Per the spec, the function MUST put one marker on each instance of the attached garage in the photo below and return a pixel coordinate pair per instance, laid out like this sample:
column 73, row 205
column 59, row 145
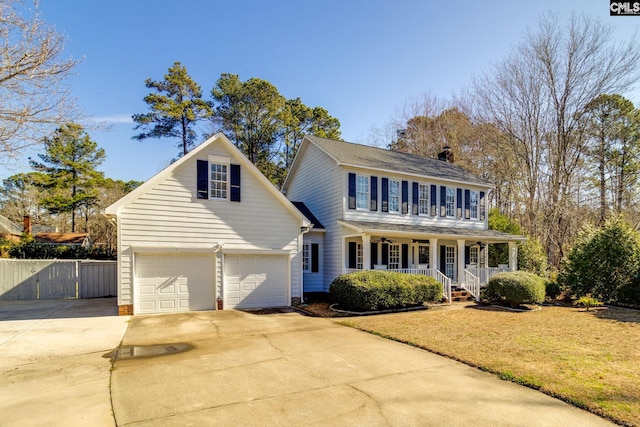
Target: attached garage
column 176, row 282
column 256, row 281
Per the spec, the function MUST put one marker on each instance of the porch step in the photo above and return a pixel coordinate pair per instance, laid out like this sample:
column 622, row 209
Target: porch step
column 458, row 296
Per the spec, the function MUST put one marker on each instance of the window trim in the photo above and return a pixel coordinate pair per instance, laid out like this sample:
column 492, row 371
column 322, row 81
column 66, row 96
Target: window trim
column 450, row 213
column 365, row 200
column 393, row 248
column 471, row 205
column 397, row 196
column 427, row 206
column 306, row 256
column 222, row 161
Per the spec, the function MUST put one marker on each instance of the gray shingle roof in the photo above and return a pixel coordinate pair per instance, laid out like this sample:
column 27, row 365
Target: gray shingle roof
column 378, row 158
column 315, row 223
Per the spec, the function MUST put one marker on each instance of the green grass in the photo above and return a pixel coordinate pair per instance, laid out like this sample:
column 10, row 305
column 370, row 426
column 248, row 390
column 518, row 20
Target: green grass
column 589, row 359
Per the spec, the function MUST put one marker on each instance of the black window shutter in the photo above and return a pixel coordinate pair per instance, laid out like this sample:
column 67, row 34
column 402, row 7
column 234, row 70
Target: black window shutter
column 203, row 179
column 385, row 254
column 443, row 200
column 482, row 206
column 414, row 194
column 374, row 193
column 434, row 204
column 405, row 255
column 405, row 197
column 235, row 183
column 385, row 194
column 459, row 203
column 467, row 204
column 467, row 255
column 352, row 190
column 315, row 254
column 353, row 255
column 374, row 254
column 443, row 261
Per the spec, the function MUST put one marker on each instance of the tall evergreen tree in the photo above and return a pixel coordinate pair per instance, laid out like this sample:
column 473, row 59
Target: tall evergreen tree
column 68, row 170
column 176, row 106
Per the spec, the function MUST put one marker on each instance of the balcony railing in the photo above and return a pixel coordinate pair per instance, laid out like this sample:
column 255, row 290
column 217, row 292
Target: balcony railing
column 485, row 274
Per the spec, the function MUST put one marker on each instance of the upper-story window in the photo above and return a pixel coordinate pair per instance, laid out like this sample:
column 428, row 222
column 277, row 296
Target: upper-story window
column 473, row 204
column 219, row 181
column 394, row 196
column 423, row 199
column 362, row 192
column 451, row 202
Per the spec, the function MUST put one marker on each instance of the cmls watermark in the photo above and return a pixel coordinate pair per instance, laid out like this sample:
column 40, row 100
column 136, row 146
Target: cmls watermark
column 621, row 8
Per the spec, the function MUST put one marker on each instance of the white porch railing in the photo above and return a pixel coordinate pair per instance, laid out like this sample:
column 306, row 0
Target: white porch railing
column 431, row 272
column 485, row 274
column 472, row 284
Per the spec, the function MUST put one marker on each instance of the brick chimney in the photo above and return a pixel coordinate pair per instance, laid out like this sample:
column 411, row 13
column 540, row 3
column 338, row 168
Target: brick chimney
column 446, row 155
column 26, row 222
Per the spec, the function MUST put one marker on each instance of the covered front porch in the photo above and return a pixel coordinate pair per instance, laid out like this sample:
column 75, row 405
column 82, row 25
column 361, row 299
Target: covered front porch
column 455, row 257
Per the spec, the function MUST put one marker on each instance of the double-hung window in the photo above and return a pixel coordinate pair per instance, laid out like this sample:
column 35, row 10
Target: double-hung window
column 473, row 255
column 362, row 192
column 423, row 199
column 394, row 196
column 306, row 258
column 219, row 180
column 394, row 257
column 473, row 204
column 451, row 202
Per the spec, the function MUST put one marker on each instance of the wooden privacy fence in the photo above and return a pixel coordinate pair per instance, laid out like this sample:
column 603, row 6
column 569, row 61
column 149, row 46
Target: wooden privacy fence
column 56, row 279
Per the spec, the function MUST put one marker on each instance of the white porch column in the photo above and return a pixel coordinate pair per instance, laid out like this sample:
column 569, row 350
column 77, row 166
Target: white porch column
column 460, row 262
column 485, row 256
column 366, row 252
column 513, row 256
column 433, row 254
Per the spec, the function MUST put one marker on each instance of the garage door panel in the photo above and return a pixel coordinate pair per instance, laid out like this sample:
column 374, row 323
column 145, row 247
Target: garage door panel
column 254, row 281
column 168, row 283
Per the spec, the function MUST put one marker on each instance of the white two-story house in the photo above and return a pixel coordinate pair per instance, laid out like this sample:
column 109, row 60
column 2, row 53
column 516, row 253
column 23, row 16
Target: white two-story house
column 381, row 209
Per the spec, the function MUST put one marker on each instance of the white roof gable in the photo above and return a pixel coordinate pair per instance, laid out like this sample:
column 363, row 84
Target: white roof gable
column 220, row 139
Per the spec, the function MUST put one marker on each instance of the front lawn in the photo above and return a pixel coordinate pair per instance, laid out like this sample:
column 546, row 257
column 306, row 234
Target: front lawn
column 590, row 359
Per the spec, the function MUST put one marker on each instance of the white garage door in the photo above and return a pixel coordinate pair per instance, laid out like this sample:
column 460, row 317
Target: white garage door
column 255, row 281
column 168, row 283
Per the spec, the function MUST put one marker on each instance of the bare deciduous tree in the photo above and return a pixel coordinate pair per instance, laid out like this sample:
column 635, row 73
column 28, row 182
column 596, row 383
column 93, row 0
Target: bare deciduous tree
column 537, row 95
column 33, row 97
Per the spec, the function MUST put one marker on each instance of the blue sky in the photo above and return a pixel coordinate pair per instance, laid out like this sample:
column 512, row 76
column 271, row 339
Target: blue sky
column 358, row 59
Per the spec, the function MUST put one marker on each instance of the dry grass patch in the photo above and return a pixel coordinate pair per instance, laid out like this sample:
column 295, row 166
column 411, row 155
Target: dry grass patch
column 590, row 359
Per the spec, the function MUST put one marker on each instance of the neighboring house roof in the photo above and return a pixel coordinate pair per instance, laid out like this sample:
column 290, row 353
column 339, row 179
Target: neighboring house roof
column 315, row 223
column 218, row 138
column 444, row 232
column 8, row 227
column 61, row 238
column 357, row 155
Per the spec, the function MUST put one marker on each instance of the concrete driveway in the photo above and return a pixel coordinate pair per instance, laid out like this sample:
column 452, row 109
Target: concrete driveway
column 287, row 369
column 53, row 372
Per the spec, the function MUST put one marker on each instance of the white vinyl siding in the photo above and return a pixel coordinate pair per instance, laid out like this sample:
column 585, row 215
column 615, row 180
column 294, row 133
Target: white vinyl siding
column 170, row 217
column 327, row 202
column 394, row 196
column 362, row 192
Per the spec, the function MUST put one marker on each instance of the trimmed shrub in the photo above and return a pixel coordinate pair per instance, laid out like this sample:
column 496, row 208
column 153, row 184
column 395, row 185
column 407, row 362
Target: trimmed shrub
column 379, row 290
column 515, row 288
